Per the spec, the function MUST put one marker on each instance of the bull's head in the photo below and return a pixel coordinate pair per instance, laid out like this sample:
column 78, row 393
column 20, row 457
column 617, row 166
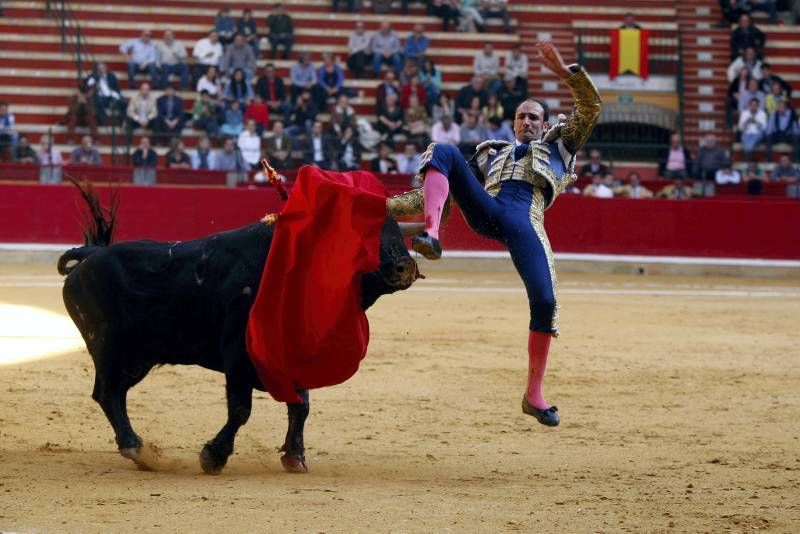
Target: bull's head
column 397, row 270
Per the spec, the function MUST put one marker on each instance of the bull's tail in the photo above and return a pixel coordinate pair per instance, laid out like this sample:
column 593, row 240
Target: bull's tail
column 76, row 255
column 100, row 225
column 101, row 222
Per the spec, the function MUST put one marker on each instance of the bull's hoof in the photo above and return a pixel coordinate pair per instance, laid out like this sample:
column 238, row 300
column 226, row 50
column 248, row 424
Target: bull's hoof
column 294, row 463
column 209, row 462
column 145, row 457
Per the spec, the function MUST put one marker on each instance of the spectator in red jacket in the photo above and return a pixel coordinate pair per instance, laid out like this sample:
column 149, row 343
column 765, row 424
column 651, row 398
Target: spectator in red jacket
column 259, row 112
column 412, row 87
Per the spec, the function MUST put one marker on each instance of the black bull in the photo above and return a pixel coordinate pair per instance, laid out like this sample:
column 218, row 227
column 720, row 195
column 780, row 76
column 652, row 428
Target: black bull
column 141, row 304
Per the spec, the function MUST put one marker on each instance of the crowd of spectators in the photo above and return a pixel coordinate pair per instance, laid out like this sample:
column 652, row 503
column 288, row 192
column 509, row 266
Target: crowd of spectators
column 243, row 113
column 759, row 105
column 256, row 112
column 465, row 15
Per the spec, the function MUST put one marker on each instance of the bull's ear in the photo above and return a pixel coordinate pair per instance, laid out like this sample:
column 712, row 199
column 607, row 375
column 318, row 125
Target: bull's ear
column 409, row 229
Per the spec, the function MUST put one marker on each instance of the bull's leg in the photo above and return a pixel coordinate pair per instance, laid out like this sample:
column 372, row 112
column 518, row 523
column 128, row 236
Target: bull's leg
column 294, row 458
column 111, row 393
column 215, row 453
column 112, row 398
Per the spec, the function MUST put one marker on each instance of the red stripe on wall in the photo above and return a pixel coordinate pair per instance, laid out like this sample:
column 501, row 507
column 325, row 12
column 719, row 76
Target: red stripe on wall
column 644, row 53
column 613, row 68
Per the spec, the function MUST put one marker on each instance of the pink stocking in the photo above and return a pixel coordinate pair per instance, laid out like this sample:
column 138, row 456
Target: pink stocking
column 436, row 189
column 538, row 348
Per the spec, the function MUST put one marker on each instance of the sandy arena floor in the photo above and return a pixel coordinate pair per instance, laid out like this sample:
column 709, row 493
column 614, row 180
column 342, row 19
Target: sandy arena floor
column 680, row 405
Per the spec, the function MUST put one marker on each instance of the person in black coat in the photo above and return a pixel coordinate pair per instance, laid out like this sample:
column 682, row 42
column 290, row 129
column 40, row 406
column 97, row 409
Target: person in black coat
column 746, row 35
column 732, row 10
column 595, row 167
column 272, row 90
column 320, row 148
column 170, row 120
column 466, row 93
column 768, row 78
column 107, row 94
column 144, row 155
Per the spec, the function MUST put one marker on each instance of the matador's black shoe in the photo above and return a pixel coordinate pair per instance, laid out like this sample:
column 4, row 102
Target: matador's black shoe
column 427, row 245
column 548, row 416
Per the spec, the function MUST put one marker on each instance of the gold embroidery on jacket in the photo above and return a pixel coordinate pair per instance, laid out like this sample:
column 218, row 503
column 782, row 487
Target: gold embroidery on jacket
column 537, row 222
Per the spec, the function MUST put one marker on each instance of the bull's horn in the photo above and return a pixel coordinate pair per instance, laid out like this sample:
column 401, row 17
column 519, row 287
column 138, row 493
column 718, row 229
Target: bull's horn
column 411, row 228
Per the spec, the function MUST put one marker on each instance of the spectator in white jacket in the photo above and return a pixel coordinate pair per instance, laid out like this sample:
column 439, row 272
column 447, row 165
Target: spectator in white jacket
column 249, row 143
column 749, row 60
column 753, row 127
column 727, row 175
column 208, row 52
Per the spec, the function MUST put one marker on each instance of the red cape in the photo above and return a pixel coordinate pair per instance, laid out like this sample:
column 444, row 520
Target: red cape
column 306, row 328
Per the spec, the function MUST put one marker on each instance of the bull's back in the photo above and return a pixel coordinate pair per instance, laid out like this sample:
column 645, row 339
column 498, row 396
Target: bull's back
column 168, row 302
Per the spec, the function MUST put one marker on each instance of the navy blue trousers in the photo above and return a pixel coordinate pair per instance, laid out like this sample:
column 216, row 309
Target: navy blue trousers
column 515, row 218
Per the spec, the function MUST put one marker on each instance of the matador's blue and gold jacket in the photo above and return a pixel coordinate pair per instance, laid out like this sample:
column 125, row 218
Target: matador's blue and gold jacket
column 493, row 161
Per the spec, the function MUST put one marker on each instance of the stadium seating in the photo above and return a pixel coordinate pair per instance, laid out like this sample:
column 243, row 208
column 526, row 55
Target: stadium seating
column 38, row 77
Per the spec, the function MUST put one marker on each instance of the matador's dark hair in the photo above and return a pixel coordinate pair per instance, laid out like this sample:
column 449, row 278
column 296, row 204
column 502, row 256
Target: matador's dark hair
column 542, row 103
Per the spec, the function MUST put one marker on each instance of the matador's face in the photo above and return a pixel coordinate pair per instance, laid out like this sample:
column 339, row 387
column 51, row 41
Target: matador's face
column 529, row 122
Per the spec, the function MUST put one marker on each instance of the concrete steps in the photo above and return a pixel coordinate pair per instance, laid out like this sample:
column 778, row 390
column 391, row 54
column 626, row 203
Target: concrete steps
column 705, row 61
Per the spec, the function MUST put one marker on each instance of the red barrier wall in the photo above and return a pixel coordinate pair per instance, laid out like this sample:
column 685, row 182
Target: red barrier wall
column 708, row 227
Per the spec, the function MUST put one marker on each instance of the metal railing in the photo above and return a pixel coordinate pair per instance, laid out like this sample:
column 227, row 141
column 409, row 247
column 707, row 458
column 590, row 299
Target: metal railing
column 679, row 86
column 73, row 41
column 71, row 32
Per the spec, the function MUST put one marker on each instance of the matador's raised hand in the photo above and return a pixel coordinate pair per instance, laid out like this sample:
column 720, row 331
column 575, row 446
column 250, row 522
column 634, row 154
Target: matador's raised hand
column 550, row 58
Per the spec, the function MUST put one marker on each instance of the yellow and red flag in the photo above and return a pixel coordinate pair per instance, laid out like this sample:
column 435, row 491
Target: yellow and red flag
column 629, row 52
